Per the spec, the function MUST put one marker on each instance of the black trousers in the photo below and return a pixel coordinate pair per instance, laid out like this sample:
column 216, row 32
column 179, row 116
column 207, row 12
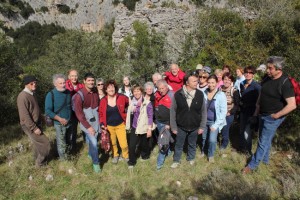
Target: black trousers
column 136, row 139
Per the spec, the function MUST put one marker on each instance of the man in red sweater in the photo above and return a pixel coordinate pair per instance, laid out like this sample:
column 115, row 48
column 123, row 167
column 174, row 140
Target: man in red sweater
column 174, row 77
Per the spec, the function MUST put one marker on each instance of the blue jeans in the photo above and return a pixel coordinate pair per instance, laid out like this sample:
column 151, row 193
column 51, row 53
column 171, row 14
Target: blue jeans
column 161, row 156
column 93, row 147
column 212, row 142
column 192, row 143
column 267, row 131
column 245, row 133
column 225, row 131
column 61, row 140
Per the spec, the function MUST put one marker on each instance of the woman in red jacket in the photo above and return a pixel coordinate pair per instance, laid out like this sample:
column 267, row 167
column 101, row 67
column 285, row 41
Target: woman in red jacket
column 112, row 112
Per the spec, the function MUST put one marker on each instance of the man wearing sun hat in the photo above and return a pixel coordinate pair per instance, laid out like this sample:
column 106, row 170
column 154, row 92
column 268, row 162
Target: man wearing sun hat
column 30, row 120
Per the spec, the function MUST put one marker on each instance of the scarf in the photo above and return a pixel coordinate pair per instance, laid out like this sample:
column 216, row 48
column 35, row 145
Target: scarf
column 189, row 96
column 136, row 103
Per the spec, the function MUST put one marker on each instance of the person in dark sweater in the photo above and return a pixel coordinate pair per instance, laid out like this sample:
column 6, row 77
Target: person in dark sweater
column 30, row 120
column 187, row 118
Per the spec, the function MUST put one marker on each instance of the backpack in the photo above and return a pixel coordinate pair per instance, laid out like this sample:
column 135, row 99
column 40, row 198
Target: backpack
column 296, row 87
column 105, row 141
column 164, row 140
column 73, row 99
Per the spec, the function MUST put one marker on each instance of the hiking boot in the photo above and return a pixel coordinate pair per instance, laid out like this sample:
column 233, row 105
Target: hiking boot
column 115, row 160
column 202, row 155
column 175, row 165
column 96, row 168
column 211, row 160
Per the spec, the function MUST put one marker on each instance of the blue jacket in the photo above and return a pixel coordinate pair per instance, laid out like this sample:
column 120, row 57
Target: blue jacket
column 220, row 109
column 59, row 100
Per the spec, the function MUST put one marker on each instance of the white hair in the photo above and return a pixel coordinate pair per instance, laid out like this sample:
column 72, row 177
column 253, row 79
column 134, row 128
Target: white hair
column 57, row 76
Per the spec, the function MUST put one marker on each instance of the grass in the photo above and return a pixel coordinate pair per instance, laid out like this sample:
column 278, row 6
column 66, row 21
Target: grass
column 75, row 179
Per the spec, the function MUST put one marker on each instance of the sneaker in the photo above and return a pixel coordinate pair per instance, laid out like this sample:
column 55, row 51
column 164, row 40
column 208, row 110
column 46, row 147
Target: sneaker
column 130, row 167
column 192, row 162
column 96, row 168
column 175, row 165
column 211, row 160
column 158, row 167
column 115, row 160
column 202, row 155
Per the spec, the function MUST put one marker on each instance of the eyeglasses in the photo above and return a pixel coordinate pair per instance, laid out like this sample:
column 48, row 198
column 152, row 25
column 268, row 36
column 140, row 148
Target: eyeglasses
column 205, row 77
column 249, row 73
column 33, row 83
column 100, row 84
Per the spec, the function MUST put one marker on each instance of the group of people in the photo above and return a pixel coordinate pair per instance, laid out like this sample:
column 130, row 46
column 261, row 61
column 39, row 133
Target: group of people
column 174, row 109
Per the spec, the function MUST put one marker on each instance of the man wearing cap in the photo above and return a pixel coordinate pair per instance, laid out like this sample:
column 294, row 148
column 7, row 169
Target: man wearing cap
column 275, row 101
column 30, row 120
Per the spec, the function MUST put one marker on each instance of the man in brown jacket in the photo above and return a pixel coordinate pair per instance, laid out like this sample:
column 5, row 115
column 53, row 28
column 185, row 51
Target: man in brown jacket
column 30, row 120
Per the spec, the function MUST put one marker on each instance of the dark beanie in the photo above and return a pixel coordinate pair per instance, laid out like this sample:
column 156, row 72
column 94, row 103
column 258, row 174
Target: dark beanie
column 29, row 79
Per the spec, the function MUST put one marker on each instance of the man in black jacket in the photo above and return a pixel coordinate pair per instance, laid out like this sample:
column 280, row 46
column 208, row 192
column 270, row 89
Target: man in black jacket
column 188, row 117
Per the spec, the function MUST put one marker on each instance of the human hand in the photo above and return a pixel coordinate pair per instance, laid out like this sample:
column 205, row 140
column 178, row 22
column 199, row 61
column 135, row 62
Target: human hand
column 149, row 133
column 200, row 131
column 91, row 131
column 175, row 132
column 167, row 127
column 37, row 131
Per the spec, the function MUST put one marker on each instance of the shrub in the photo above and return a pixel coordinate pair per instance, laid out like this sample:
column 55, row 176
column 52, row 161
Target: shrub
column 130, row 4
column 64, row 9
column 44, row 9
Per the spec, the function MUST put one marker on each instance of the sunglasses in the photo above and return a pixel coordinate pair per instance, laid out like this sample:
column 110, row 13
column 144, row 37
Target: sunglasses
column 249, row 73
column 33, row 83
column 203, row 77
column 100, row 84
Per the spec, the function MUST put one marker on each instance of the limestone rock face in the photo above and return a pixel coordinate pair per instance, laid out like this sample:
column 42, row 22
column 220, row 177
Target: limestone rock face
column 89, row 15
column 175, row 23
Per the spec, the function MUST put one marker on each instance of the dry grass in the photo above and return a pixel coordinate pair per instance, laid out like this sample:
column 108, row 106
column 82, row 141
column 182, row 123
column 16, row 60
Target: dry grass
column 75, row 179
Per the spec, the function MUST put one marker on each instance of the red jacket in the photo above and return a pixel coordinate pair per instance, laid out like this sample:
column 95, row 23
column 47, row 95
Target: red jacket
column 176, row 82
column 122, row 103
column 70, row 87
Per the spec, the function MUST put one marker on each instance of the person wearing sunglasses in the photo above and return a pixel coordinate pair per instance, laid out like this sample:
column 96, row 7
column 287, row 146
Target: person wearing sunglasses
column 202, row 84
column 249, row 94
column 100, row 87
column 30, row 120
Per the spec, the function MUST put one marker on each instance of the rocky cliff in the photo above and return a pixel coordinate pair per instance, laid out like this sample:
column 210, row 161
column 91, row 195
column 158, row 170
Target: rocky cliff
column 175, row 18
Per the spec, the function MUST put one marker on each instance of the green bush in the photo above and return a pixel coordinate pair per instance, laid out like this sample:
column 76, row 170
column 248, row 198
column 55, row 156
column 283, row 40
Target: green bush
column 64, row 9
column 130, row 4
column 44, row 9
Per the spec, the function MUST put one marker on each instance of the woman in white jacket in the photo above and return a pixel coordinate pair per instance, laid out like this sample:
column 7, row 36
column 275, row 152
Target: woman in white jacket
column 139, row 121
column 216, row 115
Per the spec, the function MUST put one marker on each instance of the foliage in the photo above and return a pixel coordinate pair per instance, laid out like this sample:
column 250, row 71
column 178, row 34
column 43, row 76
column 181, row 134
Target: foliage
column 116, row 2
column 64, row 8
column 198, row 2
column 86, row 52
column 44, row 9
column 31, row 40
column 144, row 51
column 168, row 4
column 12, row 7
column 130, row 4
column 9, row 72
